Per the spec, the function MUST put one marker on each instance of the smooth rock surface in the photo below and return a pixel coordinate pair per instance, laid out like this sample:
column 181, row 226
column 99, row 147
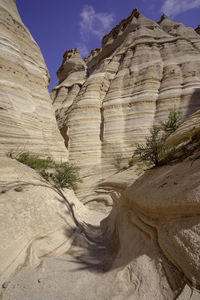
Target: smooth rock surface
column 148, row 247
column 35, row 220
column 27, row 121
column 147, row 251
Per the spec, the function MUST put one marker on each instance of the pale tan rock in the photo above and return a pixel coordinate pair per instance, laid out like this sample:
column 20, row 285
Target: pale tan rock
column 154, row 232
column 35, row 220
column 153, row 227
column 168, row 199
column 144, row 69
column 26, row 113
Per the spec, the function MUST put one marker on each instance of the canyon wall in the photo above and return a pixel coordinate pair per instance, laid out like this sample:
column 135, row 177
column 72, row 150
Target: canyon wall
column 104, row 105
column 29, row 209
column 27, row 121
column 154, row 225
column 144, row 69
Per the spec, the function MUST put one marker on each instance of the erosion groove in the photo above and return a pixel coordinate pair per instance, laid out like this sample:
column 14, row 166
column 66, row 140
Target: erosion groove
column 138, row 235
column 151, row 67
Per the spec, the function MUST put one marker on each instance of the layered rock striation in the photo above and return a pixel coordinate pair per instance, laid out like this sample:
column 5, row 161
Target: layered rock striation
column 144, row 69
column 27, row 121
column 104, row 105
column 155, row 221
column 29, row 209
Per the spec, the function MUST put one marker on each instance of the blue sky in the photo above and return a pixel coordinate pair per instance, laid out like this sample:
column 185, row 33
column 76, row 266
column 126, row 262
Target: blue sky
column 65, row 24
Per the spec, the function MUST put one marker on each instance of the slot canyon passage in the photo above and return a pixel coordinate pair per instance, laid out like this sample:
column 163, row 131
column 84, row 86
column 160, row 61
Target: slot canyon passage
column 127, row 234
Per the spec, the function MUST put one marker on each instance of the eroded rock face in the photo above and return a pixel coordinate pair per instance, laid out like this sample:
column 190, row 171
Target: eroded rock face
column 26, row 113
column 156, row 219
column 35, row 219
column 154, row 224
column 144, row 69
column 72, row 75
column 152, row 233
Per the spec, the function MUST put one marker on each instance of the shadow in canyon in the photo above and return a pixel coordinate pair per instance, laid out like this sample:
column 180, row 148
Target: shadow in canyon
column 89, row 249
column 194, row 103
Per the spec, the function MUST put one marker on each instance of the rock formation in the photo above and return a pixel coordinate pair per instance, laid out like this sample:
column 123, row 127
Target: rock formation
column 26, row 114
column 33, row 218
column 148, row 246
column 164, row 206
column 198, row 29
column 144, row 69
column 153, row 231
column 27, row 123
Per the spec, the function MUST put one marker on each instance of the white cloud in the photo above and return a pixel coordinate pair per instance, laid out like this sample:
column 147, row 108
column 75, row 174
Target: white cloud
column 83, row 49
column 93, row 23
column 175, row 7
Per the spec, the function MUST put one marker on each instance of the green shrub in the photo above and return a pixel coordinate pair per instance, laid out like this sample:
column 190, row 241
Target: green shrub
column 172, row 123
column 167, row 155
column 63, row 175
column 154, row 151
column 150, row 151
column 35, row 162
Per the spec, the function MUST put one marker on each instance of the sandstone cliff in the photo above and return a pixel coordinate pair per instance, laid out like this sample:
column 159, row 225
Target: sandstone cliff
column 143, row 69
column 148, row 247
column 27, row 123
column 26, row 114
column 154, row 224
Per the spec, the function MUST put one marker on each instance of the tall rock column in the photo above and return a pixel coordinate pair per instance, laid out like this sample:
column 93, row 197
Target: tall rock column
column 143, row 70
column 27, row 121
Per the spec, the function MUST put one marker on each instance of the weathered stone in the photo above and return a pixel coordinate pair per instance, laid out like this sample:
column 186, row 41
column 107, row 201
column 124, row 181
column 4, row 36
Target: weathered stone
column 27, row 117
column 150, row 241
column 144, row 69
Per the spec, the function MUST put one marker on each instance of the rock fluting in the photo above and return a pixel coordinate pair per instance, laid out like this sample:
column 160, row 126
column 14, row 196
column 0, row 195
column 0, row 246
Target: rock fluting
column 27, row 121
column 144, row 69
column 104, row 105
column 160, row 210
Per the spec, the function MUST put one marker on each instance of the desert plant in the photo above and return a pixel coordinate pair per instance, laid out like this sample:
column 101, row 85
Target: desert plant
column 35, row 162
column 62, row 175
column 154, row 151
column 171, row 124
column 66, row 175
column 150, row 151
column 167, row 155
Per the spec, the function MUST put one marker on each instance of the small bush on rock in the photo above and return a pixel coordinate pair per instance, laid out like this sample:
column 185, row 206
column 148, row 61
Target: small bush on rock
column 35, row 162
column 154, row 151
column 151, row 150
column 171, row 124
column 63, row 175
